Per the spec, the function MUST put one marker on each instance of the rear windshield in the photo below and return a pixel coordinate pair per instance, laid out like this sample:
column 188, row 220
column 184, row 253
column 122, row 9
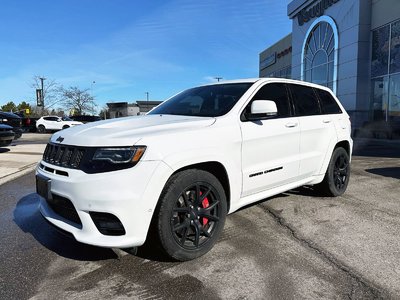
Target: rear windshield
column 206, row 101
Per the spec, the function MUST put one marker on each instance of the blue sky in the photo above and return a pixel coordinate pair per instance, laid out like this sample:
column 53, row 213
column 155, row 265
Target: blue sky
column 131, row 47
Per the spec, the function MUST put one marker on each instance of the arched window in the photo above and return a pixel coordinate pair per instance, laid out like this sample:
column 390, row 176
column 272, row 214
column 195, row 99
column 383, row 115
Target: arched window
column 319, row 55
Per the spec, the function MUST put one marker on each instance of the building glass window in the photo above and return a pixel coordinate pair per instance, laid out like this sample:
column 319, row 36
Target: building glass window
column 395, row 48
column 285, row 72
column 379, row 97
column 320, row 52
column 380, row 51
column 385, row 73
column 394, row 98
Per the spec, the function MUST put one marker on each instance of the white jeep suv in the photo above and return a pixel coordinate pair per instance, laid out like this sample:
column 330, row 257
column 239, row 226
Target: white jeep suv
column 180, row 169
column 54, row 123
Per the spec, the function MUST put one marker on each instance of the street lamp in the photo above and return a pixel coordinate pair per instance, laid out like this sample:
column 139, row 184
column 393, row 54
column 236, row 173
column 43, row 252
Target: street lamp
column 41, row 81
column 218, row 78
column 91, row 88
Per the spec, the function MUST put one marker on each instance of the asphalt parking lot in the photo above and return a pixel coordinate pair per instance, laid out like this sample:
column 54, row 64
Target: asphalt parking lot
column 292, row 246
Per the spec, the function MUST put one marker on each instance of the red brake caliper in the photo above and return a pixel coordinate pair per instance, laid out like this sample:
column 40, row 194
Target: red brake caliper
column 205, row 204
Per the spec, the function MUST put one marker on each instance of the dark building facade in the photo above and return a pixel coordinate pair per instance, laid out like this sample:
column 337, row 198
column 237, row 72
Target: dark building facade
column 351, row 46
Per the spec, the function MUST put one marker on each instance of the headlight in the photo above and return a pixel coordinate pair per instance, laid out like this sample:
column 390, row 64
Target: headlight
column 3, row 120
column 120, row 155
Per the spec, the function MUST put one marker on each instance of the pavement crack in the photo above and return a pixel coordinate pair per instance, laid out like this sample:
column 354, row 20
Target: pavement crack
column 368, row 287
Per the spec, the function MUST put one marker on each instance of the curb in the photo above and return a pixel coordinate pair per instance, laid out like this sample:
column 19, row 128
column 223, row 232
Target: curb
column 22, row 171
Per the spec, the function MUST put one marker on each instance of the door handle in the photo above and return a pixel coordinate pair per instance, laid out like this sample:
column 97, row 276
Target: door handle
column 290, row 125
column 326, row 120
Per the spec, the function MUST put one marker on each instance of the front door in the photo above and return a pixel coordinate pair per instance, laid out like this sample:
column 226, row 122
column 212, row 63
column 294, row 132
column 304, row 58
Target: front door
column 270, row 148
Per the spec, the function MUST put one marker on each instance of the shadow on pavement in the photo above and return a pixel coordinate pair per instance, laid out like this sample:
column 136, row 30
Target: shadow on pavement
column 29, row 219
column 4, row 150
column 393, row 172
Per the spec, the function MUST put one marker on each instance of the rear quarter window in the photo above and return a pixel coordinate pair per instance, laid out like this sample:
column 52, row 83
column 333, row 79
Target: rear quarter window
column 328, row 103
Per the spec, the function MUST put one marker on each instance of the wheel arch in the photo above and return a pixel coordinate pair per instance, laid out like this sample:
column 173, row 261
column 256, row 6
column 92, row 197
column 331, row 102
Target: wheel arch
column 344, row 144
column 218, row 170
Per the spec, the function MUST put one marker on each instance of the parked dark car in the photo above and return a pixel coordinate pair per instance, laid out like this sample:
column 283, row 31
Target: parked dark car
column 6, row 135
column 85, row 119
column 28, row 122
column 12, row 120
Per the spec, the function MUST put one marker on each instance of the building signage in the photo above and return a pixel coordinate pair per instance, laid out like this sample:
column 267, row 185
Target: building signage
column 284, row 52
column 316, row 10
column 268, row 61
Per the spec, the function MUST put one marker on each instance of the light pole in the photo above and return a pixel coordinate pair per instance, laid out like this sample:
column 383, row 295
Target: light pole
column 41, row 81
column 91, row 88
column 218, row 78
column 147, row 96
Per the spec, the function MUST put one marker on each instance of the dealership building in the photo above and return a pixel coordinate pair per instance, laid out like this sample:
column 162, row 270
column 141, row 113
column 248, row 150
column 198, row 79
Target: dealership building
column 351, row 46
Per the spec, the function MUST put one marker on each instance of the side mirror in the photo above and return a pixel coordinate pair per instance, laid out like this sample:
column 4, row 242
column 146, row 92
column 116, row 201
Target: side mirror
column 261, row 110
column 59, row 120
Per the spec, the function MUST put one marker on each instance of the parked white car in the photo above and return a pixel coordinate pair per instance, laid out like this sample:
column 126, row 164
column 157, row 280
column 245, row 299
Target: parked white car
column 55, row 123
column 202, row 154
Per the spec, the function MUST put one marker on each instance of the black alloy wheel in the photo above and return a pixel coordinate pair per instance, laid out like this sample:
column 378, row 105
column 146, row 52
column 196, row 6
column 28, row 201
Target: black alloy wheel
column 340, row 171
column 337, row 175
column 41, row 129
column 195, row 215
column 191, row 214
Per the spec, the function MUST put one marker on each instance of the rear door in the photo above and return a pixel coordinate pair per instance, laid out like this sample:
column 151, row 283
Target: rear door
column 270, row 148
column 317, row 130
column 330, row 107
column 51, row 123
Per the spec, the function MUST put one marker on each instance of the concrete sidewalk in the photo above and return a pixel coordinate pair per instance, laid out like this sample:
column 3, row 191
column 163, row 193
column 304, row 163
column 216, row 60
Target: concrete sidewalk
column 22, row 155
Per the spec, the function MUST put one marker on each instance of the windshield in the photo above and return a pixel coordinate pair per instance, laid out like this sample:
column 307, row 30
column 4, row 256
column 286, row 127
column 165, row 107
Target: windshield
column 205, row 101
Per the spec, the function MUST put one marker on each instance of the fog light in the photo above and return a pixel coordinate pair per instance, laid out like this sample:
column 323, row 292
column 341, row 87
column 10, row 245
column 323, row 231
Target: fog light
column 107, row 224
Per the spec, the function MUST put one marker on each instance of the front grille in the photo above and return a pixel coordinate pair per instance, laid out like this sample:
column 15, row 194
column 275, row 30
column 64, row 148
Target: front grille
column 63, row 155
column 64, row 207
column 14, row 122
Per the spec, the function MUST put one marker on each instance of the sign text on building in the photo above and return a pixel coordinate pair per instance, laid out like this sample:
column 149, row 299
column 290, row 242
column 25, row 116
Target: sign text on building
column 316, row 10
column 268, row 61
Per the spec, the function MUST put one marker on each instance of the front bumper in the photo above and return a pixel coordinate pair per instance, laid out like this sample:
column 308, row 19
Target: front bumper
column 6, row 137
column 18, row 132
column 130, row 195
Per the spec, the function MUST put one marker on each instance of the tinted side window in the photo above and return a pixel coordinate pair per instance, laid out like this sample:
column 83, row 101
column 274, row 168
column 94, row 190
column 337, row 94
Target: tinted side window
column 328, row 103
column 305, row 100
column 276, row 92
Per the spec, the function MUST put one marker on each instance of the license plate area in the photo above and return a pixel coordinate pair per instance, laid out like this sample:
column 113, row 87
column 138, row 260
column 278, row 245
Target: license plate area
column 43, row 186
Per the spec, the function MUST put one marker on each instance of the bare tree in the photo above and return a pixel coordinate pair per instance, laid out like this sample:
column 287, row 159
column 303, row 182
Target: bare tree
column 51, row 89
column 80, row 101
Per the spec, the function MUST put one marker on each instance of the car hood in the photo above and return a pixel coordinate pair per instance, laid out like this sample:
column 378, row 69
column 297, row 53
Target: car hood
column 127, row 131
column 9, row 115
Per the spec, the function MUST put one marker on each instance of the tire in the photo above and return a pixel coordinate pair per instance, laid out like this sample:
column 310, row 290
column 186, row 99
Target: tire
column 190, row 215
column 41, row 129
column 65, row 127
column 5, row 143
column 337, row 175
